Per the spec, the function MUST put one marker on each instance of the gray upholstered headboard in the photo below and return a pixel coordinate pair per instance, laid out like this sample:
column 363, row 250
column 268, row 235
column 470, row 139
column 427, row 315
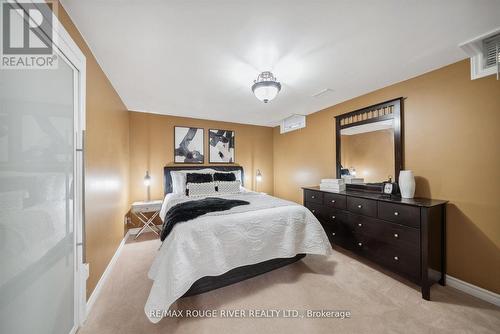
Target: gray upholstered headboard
column 167, row 177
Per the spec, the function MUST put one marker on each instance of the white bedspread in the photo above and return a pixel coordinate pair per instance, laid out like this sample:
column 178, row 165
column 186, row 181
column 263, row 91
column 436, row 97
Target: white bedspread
column 217, row 242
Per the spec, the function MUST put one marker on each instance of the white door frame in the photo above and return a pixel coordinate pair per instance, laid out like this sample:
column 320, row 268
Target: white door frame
column 62, row 40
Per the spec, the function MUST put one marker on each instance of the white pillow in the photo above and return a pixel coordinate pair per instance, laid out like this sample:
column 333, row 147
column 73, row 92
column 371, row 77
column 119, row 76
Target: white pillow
column 179, row 179
column 201, row 189
column 178, row 182
column 228, row 187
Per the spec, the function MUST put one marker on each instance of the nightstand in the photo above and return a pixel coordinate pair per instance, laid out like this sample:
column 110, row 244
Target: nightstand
column 140, row 208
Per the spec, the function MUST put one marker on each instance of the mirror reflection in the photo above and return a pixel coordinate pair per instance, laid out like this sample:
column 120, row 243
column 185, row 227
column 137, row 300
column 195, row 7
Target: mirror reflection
column 367, row 154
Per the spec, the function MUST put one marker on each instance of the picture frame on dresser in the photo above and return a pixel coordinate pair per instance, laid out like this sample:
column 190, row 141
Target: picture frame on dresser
column 221, row 146
column 189, row 145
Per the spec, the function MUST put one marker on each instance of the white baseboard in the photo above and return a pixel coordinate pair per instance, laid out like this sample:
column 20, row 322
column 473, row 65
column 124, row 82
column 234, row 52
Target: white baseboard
column 105, row 274
column 473, row 290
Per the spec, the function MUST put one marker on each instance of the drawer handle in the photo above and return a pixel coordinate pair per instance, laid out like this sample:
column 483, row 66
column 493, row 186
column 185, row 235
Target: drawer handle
column 396, row 258
column 359, row 224
column 396, row 213
column 359, row 206
column 333, row 201
column 396, row 235
column 360, row 244
column 312, row 197
column 333, row 217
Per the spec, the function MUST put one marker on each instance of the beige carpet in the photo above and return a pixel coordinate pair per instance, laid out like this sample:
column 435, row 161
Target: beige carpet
column 378, row 302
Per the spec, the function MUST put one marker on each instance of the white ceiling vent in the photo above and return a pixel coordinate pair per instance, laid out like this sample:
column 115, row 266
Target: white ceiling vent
column 322, row 92
column 293, row 123
column 484, row 52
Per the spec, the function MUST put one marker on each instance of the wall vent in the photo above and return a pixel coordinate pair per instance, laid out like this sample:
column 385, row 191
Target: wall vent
column 484, row 53
column 292, row 123
column 491, row 46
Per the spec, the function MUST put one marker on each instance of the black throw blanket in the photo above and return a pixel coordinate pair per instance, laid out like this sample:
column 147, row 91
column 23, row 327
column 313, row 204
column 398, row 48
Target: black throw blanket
column 189, row 210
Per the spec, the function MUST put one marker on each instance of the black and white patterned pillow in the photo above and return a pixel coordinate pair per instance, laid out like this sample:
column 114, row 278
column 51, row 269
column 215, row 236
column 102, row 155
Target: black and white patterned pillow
column 201, row 189
column 228, row 187
column 198, row 178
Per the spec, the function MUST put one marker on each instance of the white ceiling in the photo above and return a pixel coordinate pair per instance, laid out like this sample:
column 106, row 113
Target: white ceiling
column 199, row 58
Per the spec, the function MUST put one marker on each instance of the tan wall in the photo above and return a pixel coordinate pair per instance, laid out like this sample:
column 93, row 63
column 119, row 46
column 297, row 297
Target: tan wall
column 452, row 138
column 106, row 163
column 152, row 148
column 370, row 153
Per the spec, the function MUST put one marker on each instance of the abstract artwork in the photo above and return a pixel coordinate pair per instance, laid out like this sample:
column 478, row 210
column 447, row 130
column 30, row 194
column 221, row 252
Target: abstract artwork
column 188, row 145
column 221, row 146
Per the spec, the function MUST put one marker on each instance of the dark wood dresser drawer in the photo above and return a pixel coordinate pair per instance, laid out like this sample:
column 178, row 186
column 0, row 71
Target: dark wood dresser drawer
column 317, row 209
column 399, row 213
column 401, row 236
column 343, row 237
column 394, row 234
column 334, row 215
column 402, row 261
column 342, row 230
column 362, row 206
column 330, row 231
column 335, row 200
column 313, row 196
column 363, row 225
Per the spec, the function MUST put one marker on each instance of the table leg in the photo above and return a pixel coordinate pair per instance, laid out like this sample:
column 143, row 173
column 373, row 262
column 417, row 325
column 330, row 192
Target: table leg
column 148, row 223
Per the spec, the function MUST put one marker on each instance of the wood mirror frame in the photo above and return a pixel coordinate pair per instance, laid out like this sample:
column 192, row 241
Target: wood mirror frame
column 392, row 109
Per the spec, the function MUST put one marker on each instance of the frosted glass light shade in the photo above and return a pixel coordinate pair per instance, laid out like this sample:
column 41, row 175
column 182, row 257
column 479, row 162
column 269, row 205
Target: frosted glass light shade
column 266, row 87
column 258, row 177
column 147, row 179
column 266, row 90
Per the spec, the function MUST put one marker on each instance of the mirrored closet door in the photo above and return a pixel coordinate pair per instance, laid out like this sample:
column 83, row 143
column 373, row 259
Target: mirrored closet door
column 40, row 198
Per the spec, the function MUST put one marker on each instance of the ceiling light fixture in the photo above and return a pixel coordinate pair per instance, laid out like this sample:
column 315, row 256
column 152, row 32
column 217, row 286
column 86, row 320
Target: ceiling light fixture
column 266, row 87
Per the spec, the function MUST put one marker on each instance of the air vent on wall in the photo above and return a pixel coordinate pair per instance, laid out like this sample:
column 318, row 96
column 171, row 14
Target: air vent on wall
column 293, row 123
column 491, row 47
column 484, row 52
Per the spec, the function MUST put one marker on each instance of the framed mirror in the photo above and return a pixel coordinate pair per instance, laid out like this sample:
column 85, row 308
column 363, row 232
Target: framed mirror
column 369, row 145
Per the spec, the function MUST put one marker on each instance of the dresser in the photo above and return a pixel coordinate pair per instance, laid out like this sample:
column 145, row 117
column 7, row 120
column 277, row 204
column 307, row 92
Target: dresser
column 405, row 236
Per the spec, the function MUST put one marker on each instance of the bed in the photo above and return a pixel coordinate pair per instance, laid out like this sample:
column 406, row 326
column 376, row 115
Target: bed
column 222, row 248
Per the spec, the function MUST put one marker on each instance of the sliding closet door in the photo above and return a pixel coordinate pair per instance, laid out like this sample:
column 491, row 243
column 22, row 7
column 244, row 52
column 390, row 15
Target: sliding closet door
column 37, row 192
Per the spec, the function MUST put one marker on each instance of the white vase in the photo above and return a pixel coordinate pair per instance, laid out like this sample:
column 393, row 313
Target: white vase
column 407, row 183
